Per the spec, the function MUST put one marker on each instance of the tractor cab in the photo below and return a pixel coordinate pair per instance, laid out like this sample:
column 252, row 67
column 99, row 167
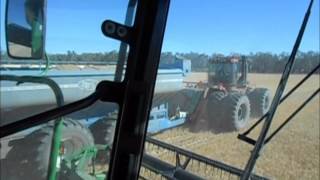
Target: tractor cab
column 228, row 72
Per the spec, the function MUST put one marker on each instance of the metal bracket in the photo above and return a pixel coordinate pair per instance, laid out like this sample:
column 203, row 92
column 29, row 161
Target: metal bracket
column 178, row 162
column 110, row 91
column 117, row 31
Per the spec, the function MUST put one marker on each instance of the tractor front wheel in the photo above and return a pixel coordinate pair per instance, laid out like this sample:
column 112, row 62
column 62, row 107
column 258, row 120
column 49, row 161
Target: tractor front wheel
column 215, row 110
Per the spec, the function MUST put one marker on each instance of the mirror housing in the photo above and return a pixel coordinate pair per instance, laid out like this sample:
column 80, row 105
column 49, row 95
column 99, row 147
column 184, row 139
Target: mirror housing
column 25, row 28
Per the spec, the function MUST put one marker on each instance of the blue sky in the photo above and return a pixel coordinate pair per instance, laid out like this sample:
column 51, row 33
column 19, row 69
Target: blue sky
column 206, row 26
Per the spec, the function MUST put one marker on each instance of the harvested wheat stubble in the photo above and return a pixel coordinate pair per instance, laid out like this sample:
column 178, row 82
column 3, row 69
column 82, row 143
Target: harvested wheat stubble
column 293, row 154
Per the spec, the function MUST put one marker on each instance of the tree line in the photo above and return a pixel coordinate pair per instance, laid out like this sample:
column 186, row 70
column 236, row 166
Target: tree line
column 259, row 62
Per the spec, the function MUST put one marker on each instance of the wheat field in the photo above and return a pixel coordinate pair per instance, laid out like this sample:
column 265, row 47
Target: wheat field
column 292, row 154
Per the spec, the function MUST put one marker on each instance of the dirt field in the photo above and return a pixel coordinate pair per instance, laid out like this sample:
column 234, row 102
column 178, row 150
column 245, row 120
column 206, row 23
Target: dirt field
column 292, row 154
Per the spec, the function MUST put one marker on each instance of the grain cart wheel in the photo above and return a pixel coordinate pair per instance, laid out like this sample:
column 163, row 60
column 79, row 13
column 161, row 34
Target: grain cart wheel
column 103, row 132
column 29, row 157
column 260, row 100
column 214, row 109
column 236, row 111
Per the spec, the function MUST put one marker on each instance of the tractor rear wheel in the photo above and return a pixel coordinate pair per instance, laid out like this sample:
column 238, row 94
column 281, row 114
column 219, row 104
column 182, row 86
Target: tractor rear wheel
column 260, row 100
column 236, row 111
column 29, row 157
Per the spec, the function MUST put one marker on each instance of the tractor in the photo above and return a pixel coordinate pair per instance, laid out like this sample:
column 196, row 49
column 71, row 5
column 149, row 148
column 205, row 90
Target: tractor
column 228, row 95
column 225, row 103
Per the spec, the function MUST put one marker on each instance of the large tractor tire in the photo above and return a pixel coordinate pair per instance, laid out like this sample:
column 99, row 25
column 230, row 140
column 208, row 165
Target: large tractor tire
column 103, row 132
column 236, row 111
column 260, row 100
column 215, row 109
column 29, row 157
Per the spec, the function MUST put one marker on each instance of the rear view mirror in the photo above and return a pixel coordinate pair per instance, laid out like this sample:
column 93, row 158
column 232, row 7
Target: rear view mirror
column 25, row 28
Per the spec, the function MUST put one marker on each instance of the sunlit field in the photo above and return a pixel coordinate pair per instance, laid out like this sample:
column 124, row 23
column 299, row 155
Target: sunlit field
column 292, row 154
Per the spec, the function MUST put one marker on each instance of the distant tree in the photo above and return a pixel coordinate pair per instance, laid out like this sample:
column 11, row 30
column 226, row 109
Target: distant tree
column 259, row 62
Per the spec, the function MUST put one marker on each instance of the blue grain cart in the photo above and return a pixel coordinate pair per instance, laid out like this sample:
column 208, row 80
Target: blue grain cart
column 20, row 101
column 177, row 63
